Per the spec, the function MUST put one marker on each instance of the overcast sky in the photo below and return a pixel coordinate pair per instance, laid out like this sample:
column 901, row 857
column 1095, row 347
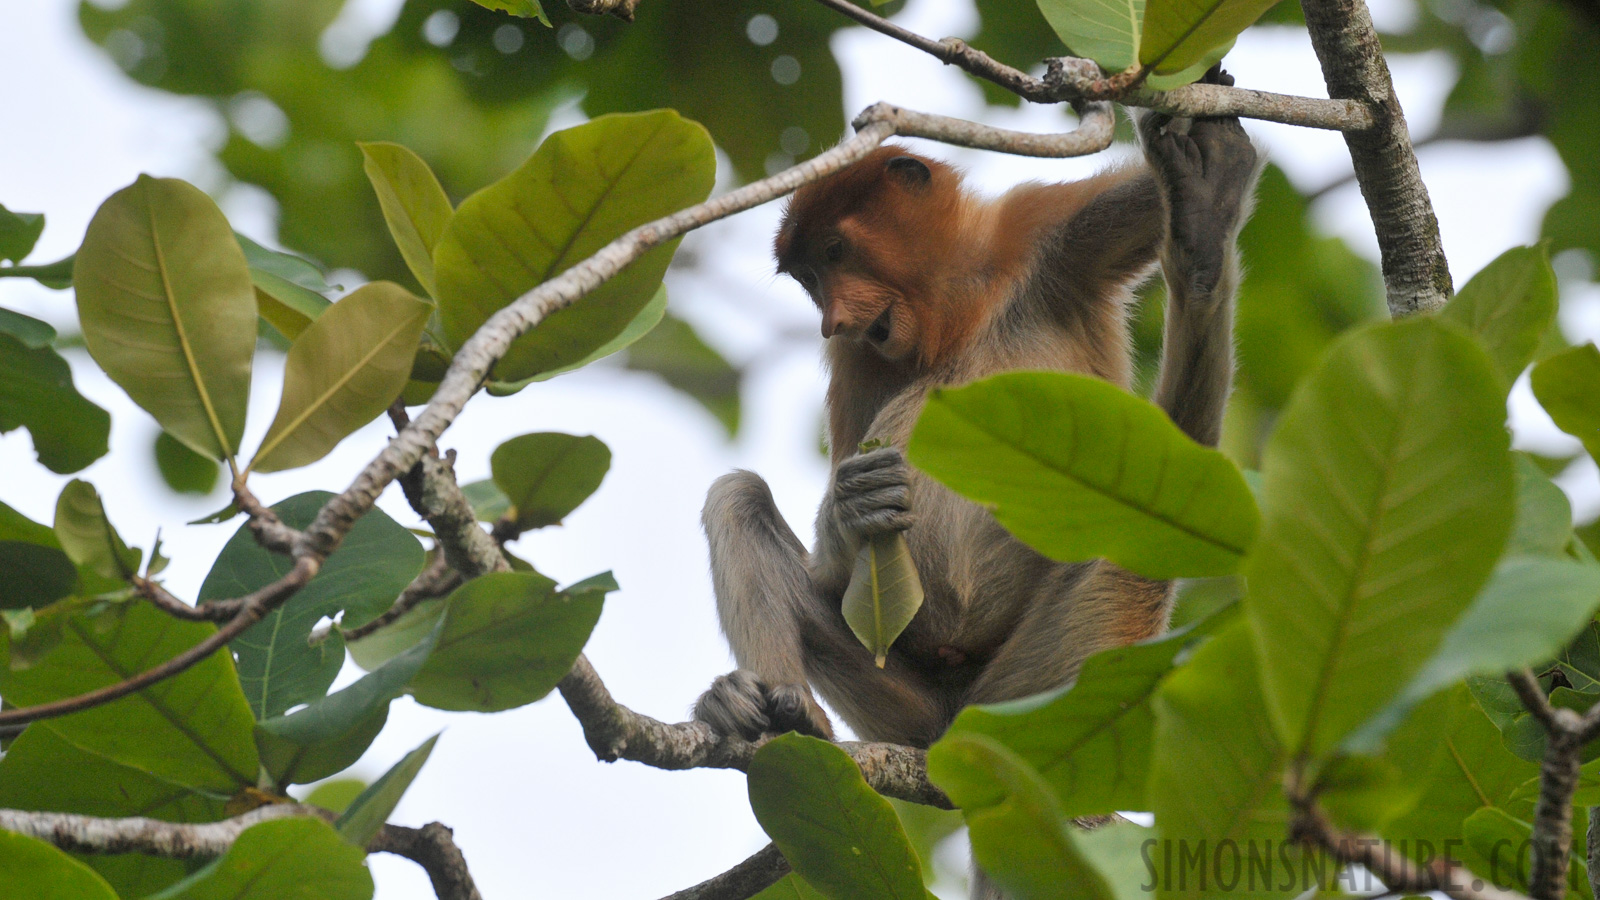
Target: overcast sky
column 534, row 812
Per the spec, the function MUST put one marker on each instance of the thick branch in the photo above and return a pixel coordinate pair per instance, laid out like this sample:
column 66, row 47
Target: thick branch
column 432, row 847
column 1558, row 781
column 749, row 878
column 1414, row 268
column 432, row 491
column 91, row 834
column 615, row 732
column 1069, row 79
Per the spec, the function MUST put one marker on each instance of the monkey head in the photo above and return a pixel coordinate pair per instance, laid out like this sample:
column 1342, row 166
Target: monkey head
column 870, row 244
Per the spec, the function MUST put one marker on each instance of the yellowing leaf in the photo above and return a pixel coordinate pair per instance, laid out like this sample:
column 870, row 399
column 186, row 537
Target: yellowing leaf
column 884, row 594
column 414, row 205
column 342, row 372
column 168, row 310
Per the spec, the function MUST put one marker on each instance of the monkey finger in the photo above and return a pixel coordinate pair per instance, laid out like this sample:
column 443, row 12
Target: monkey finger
column 735, row 705
column 790, row 708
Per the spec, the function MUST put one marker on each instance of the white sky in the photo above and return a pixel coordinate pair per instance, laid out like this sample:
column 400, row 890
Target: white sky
column 534, row 812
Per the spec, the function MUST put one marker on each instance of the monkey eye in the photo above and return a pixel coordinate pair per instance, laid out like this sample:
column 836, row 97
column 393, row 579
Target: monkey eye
column 807, row 279
column 834, row 251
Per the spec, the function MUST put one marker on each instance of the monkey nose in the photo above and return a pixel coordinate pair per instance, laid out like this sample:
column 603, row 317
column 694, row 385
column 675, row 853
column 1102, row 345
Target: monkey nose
column 835, row 320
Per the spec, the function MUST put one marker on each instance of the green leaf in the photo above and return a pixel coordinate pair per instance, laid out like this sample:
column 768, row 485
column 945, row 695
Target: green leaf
column 277, row 665
column 87, row 536
column 1475, row 771
column 790, row 887
column 30, row 332
column 526, row 9
column 1529, row 610
column 1190, row 75
column 184, row 470
column 1178, row 34
column 1508, row 306
column 330, row 733
column 387, row 642
column 1215, row 791
column 37, row 871
column 1106, row 31
column 677, row 354
column 414, row 205
column 507, row 638
column 839, row 835
column 192, row 729
column 299, row 858
column 288, row 308
column 1079, row 468
column 342, row 373
column 367, row 813
column 584, row 187
column 296, row 270
column 489, row 503
column 1568, row 387
column 337, row 794
column 18, row 233
column 30, row 779
column 36, row 392
column 35, row 575
column 1543, row 523
column 167, row 309
column 884, row 594
column 1388, row 497
column 547, row 474
column 1019, row 833
column 1119, row 851
column 1090, row 741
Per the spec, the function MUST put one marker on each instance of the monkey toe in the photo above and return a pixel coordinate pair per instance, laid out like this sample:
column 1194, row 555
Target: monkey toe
column 735, row 705
column 790, row 708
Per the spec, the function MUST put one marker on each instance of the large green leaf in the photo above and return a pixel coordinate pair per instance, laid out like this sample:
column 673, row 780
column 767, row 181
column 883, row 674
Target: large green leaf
column 168, row 310
column 1543, row 524
column 1106, row 31
column 790, row 887
column 1568, row 387
column 414, row 205
column 547, row 474
column 1079, row 468
column 184, row 470
column 642, row 324
column 18, row 233
column 36, row 392
column 1179, row 34
column 87, row 536
column 1020, row 835
column 366, row 814
column 277, row 665
column 299, row 858
column 330, row 733
column 37, row 871
column 1508, row 306
column 1205, row 790
column 1388, row 497
column 836, row 831
column 1090, row 741
column 343, row 372
column 31, row 779
column 30, row 552
column 583, row 187
column 507, row 638
column 884, row 593
column 192, row 729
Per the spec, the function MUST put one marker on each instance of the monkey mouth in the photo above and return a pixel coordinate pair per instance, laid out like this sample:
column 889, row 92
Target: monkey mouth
column 878, row 331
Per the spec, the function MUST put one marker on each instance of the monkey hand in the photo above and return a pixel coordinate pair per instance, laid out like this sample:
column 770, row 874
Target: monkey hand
column 871, row 494
column 1205, row 168
column 739, row 704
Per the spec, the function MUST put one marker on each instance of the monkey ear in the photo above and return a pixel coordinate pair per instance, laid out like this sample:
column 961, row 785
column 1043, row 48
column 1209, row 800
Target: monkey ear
column 910, row 171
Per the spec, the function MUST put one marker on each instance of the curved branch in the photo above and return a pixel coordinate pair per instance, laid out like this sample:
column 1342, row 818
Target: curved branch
column 762, row 870
column 615, row 732
column 432, row 847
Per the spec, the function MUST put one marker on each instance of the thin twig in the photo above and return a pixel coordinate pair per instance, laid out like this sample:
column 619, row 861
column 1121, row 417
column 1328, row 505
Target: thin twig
column 1069, row 79
column 214, row 611
column 269, row 530
column 252, row 608
column 760, row 871
column 1558, row 781
column 436, row 580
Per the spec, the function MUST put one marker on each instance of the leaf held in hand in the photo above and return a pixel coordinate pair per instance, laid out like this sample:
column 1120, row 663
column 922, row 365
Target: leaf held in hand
column 885, row 593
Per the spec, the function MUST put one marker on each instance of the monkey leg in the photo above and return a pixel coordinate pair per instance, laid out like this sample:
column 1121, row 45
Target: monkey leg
column 758, row 571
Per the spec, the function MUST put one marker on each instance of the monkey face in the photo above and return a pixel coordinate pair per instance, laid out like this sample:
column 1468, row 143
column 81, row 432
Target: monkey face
column 859, row 307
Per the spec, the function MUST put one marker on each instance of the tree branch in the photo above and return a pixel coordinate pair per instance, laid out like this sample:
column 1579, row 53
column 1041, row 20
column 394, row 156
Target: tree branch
column 436, row 580
column 1414, row 268
column 1069, row 79
column 1558, row 781
column 432, row 847
column 431, row 489
column 622, row 9
column 153, row 837
column 615, row 732
column 762, row 870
